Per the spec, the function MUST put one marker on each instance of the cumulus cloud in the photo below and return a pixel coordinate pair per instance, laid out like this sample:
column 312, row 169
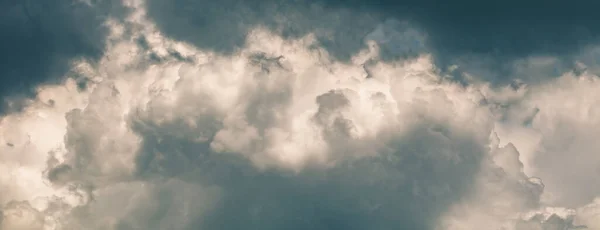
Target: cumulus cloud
column 282, row 133
column 556, row 137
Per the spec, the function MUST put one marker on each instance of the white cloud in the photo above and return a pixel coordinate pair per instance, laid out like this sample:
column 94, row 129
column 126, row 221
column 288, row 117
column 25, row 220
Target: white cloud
column 558, row 137
column 280, row 130
column 547, row 132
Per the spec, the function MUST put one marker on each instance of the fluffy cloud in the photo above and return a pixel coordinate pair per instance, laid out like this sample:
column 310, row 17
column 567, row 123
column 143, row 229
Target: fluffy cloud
column 566, row 156
column 280, row 134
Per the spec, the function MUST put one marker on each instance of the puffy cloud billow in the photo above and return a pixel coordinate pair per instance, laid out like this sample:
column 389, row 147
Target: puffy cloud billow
column 297, row 115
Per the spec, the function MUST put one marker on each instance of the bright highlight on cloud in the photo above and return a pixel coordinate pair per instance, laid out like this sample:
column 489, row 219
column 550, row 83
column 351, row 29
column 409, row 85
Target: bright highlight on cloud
column 282, row 135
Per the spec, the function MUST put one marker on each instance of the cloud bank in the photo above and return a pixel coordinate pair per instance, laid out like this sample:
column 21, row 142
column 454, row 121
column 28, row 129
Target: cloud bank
column 283, row 124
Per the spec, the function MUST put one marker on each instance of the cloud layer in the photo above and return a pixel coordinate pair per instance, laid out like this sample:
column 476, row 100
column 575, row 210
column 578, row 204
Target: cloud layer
column 266, row 125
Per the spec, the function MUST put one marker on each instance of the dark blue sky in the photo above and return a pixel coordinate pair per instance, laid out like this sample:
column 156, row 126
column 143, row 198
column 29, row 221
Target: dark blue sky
column 39, row 39
column 498, row 31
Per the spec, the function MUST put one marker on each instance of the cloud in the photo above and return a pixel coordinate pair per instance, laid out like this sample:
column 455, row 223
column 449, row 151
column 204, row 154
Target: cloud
column 280, row 132
column 20, row 215
column 557, row 134
column 243, row 125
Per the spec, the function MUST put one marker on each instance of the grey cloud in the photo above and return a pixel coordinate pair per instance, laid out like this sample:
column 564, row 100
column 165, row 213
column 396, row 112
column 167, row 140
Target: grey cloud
column 59, row 174
column 331, row 101
column 554, row 222
column 153, row 204
column 265, row 104
column 407, row 187
column 410, row 183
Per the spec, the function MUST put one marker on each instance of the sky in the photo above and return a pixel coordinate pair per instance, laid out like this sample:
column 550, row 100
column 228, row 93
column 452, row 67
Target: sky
column 299, row 114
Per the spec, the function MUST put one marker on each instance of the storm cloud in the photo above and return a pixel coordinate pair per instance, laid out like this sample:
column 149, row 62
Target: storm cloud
column 300, row 115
